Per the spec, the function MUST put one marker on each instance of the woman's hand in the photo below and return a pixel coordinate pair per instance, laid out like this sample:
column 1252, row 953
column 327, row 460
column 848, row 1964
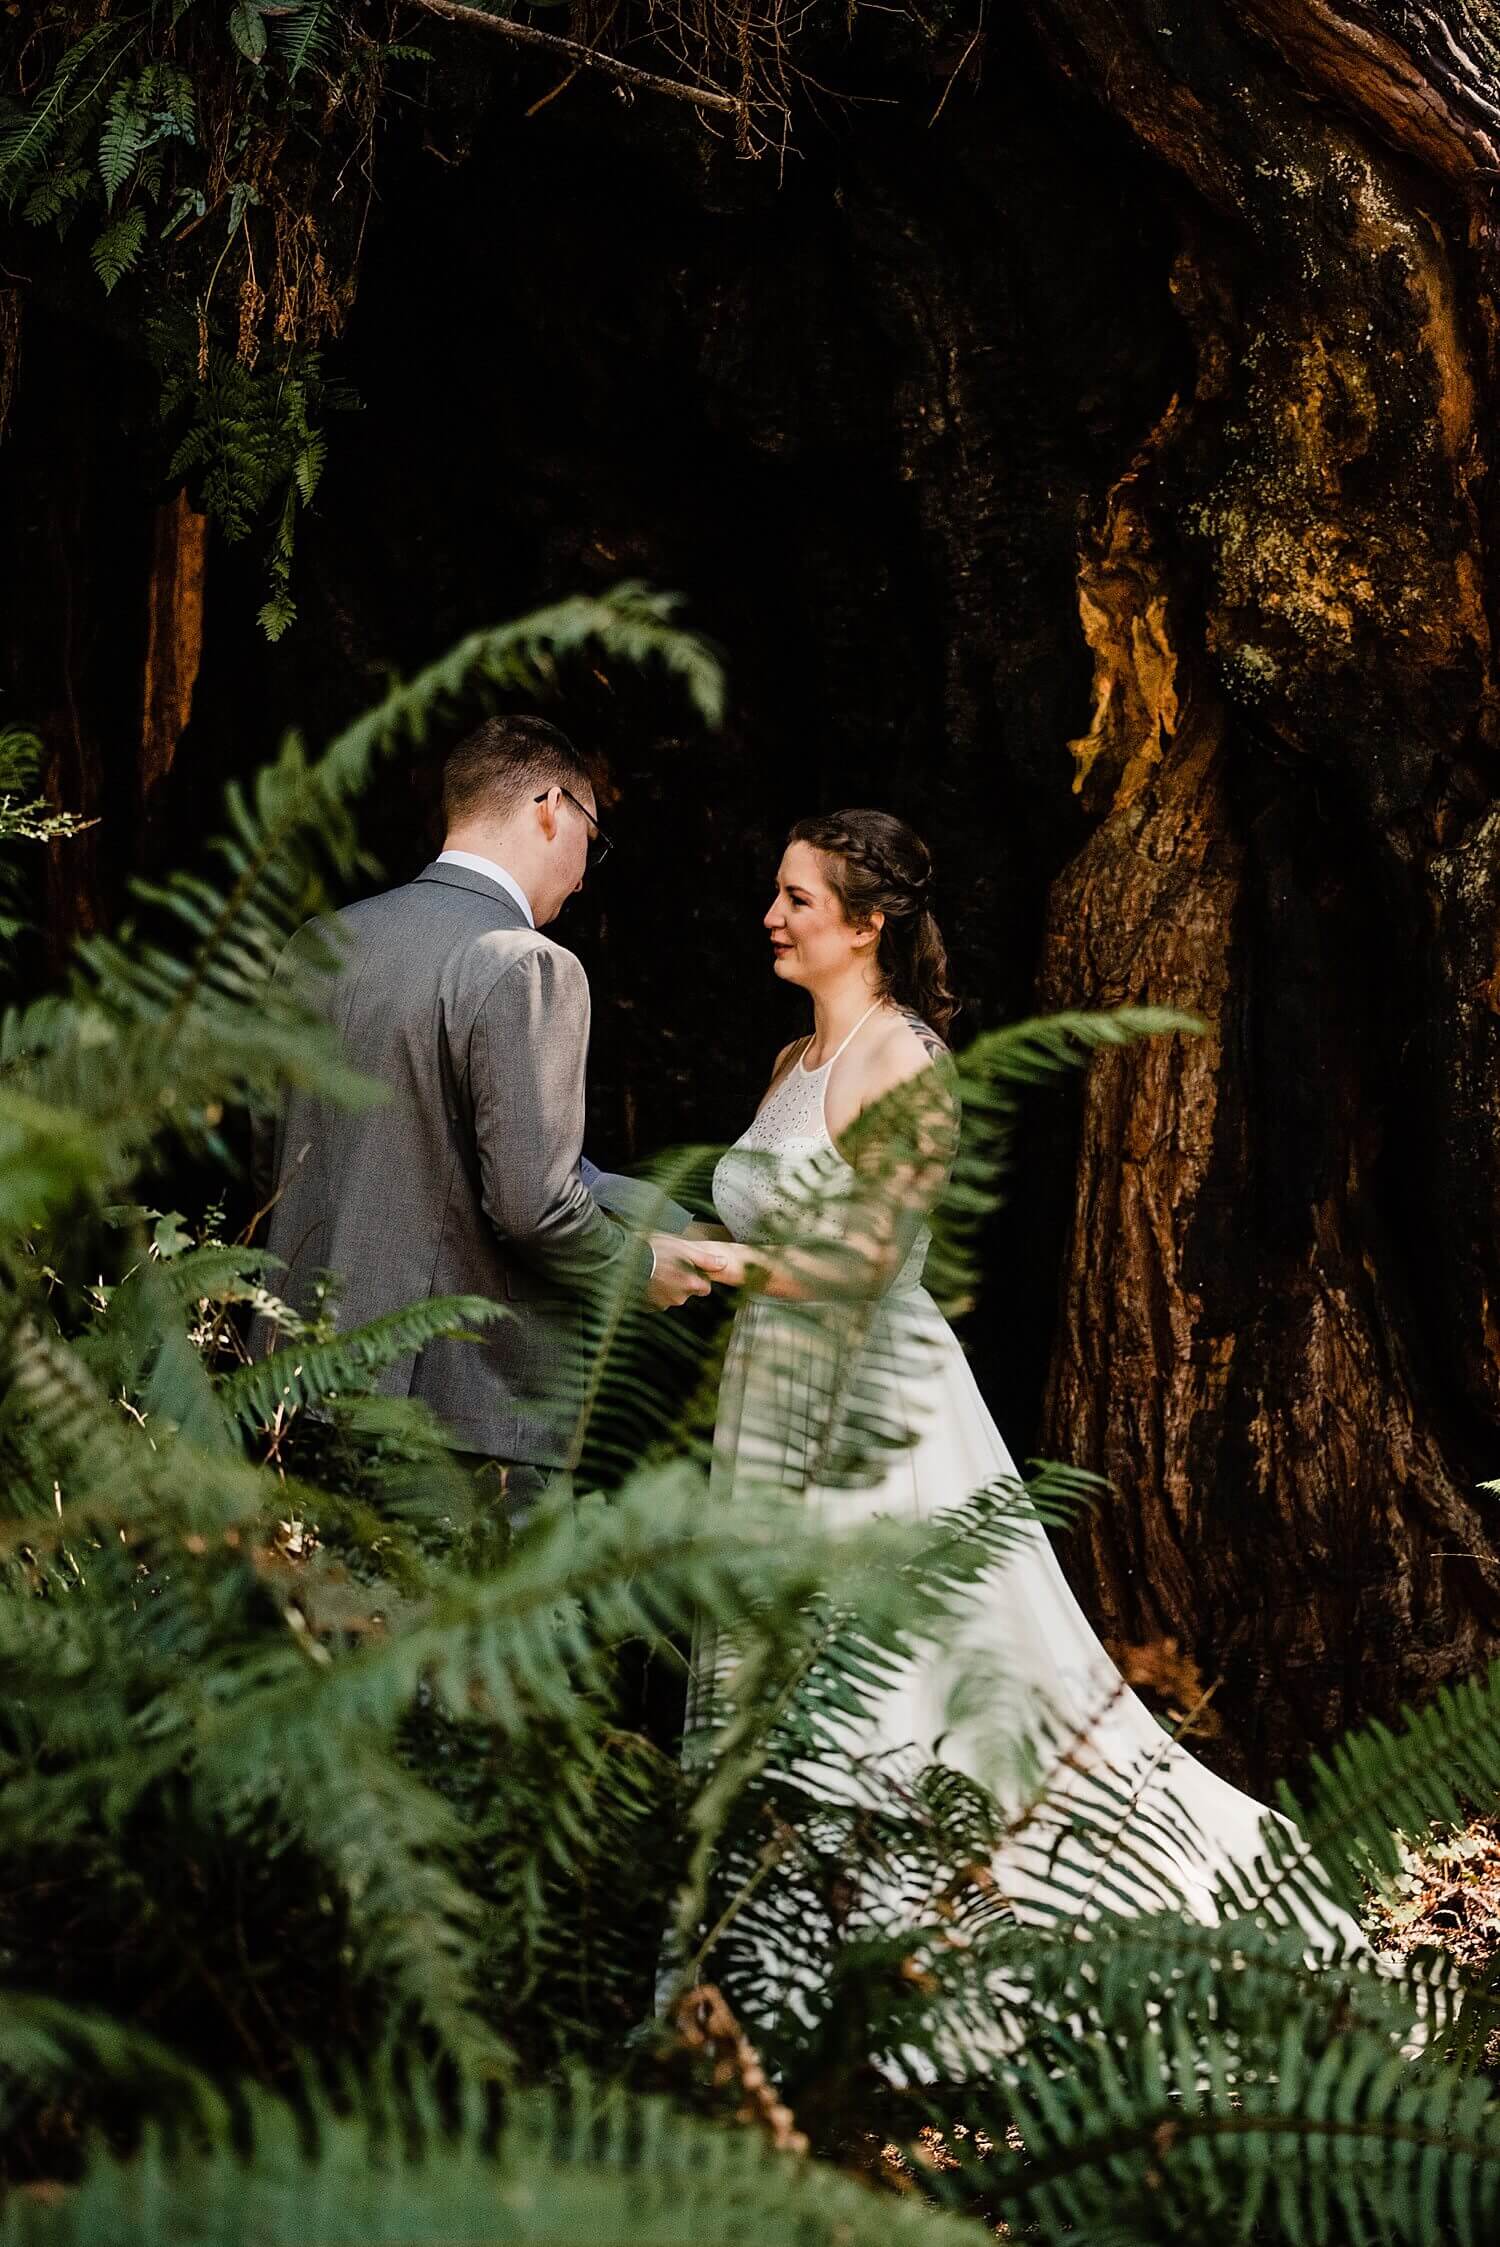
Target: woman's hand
column 743, row 1265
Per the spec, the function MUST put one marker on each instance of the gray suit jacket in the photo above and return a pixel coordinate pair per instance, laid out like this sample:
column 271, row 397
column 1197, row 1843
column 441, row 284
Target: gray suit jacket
column 466, row 1179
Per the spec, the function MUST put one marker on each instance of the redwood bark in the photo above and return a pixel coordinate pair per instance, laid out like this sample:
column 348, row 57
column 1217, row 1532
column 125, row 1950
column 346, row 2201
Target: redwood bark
column 1279, row 1333
column 174, row 636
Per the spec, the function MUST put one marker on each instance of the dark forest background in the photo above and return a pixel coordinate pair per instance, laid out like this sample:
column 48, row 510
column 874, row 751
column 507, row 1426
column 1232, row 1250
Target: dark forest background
column 853, row 413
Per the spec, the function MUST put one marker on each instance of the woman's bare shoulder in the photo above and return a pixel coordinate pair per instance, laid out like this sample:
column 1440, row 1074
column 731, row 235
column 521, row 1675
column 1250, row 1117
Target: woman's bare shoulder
column 901, row 1049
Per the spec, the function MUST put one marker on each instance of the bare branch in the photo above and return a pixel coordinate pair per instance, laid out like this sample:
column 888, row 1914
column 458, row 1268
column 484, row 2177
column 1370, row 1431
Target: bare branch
column 585, row 58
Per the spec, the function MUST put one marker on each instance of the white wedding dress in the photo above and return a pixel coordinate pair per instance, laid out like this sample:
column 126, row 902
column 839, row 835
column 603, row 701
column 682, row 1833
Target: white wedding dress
column 1025, row 1647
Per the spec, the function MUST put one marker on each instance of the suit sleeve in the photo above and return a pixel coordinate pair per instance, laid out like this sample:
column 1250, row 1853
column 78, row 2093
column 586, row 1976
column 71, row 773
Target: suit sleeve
column 527, row 1054
column 635, row 1199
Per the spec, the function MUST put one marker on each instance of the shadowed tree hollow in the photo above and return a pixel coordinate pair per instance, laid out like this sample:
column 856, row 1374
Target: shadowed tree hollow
column 1079, row 445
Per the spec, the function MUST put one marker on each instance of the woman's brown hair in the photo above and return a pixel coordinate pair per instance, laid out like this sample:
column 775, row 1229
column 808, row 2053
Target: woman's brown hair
column 875, row 863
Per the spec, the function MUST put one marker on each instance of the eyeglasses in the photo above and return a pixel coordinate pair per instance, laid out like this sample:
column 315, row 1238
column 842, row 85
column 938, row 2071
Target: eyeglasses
column 600, row 845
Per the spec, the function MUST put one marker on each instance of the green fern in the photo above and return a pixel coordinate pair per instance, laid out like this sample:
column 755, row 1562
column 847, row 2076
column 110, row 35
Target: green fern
column 118, row 247
column 253, row 433
column 630, row 626
column 46, row 2042
column 27, row 136
column 305, row 35
column 582, row 2164
column 141, row 113
column 113, row 124
column 304, row 1374
column 25, row 818
column 1380, row 1779
column 1341, row 2132
column 314, row 1731
column 55, row 198
column 122, row 140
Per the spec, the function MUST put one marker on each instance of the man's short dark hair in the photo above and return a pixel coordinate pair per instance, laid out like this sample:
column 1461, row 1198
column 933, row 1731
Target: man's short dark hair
column 494, row 769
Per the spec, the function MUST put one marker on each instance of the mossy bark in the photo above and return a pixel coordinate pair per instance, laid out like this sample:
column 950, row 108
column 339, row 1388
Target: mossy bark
column 1277, row 1333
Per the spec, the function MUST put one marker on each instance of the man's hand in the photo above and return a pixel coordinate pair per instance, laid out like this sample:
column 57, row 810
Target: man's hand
column 683, row 1268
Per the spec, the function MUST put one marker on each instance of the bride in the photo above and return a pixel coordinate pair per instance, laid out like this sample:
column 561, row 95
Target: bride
column 851, row 926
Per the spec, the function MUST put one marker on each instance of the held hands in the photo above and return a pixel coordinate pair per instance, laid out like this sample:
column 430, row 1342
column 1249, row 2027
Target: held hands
column 741, row 1264
column 683, row 1268
column 690, row 1266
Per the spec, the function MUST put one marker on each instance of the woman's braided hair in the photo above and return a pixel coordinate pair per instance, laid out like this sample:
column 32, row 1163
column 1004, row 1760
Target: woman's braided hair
column 875, row 863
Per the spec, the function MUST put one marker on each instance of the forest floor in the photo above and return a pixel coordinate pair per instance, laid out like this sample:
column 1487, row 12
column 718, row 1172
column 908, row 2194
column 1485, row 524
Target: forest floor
column 1446, row 1896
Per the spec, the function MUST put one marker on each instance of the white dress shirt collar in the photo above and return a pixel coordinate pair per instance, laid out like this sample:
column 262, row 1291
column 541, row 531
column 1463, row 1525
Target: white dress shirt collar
column 477, row 865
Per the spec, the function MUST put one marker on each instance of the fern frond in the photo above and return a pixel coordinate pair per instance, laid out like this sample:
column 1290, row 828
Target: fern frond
column 794, row 1713
column 48, row 1156
column 46, row 2042
column 26, row 139
column 276, row 615
column 118, row 247
column 838, row 1390
column 216, row 1273
column 581, row 2164
column 122, row 140
column 630, row 625
column 56, row 196
column 991, row 1073
column 302, row 1373
column 1237, row 1976
column 304, row 35
column 1178, row 2140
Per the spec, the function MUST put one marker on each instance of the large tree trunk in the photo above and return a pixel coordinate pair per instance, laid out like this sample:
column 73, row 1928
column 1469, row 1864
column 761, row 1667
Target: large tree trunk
column 1281, row 1330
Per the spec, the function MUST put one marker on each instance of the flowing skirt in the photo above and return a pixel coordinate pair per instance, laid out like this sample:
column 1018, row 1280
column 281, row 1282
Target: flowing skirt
column 1022, row 1651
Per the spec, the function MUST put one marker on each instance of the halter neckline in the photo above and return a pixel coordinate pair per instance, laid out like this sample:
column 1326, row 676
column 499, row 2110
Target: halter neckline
column 853, row 1034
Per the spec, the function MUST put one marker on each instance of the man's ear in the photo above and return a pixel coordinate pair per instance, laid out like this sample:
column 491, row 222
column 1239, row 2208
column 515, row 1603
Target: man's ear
column 546, row 812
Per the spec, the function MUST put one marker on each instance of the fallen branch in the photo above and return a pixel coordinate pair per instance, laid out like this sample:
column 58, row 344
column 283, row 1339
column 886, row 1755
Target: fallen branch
column 456, row 11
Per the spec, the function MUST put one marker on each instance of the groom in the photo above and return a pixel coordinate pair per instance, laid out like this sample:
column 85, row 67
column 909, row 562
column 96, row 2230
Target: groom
column 466, row 1179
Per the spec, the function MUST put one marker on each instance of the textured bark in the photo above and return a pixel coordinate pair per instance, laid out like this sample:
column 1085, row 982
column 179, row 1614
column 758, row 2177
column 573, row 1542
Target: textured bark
column 174, row 636
column 1231, row 1347
column 1278, row 1334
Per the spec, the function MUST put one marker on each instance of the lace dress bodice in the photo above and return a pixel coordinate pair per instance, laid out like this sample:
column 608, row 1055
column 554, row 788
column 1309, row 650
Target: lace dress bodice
column 784, row 1179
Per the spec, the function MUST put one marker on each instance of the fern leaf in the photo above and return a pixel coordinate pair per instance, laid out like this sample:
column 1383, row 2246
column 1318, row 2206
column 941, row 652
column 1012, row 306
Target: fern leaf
column 629, row 624
column 118, row 247
column 26, row 139
column 304, row 35
column 44, row 2041
column 276, row 615
column 121, row 141
column 56, row 196
column 1381, row 1780
column 310, row 464
column 47, row 1157
column 1238, row 2155
column 585, row 2163
column 170, row 95
column 303, row 1374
